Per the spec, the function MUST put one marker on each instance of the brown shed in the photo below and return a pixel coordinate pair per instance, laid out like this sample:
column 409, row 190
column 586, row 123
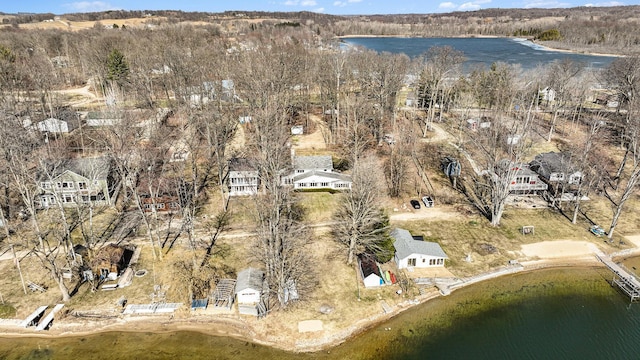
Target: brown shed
column 109, row 259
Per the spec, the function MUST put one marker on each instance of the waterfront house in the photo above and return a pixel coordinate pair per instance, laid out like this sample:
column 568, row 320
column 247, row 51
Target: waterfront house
column 416, row 253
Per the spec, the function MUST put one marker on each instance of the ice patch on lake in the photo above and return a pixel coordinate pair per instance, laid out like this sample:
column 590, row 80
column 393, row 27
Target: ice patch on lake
column 529, row 43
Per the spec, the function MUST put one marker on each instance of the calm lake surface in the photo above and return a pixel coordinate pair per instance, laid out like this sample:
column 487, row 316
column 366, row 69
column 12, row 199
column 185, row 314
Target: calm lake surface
column 549, row 314
column 480, row 51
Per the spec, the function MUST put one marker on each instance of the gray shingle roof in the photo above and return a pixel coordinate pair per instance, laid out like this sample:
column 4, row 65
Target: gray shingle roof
column 242, row 164
column 405, row 245
column 91, row 168
column 329, row 175
column 249, row 278
column 553, row 162
column 320, row 162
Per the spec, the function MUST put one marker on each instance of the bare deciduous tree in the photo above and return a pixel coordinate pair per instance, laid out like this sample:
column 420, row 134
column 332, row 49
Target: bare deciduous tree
column 361, row 224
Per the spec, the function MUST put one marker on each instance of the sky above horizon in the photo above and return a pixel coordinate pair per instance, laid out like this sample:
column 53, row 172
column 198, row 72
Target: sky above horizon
column 335, row 7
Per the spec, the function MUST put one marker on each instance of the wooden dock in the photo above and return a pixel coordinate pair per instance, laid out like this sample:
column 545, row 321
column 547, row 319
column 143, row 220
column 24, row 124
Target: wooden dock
column 44, row 324
column 626, row 281
column 34, row 317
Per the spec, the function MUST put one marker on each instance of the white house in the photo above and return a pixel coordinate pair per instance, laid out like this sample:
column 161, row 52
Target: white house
column 370, row 271
column 243, row 177
column 416, row 253
column 316, row 172
column 249, row 287
column 321, row 180
column 55, row 126
column 547, row 94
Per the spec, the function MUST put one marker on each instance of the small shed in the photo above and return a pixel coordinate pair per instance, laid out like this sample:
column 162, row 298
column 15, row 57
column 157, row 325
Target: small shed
column 370, row 271
column 109, row 261
column 249, row 286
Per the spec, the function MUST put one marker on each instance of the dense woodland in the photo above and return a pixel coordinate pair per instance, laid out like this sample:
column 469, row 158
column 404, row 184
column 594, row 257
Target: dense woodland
column 284, row 75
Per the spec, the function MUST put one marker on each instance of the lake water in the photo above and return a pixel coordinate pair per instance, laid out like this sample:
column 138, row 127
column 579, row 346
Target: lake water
column 480, row 51
column 549, row 314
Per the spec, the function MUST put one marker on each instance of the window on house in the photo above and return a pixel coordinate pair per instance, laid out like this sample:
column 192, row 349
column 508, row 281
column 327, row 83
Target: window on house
column 97, row 197
column 313, row 184
column 160, row 206
column 324, row 184
column 85, row 198
column 82, row 185
column 45, row 185
column 299, row 171
column 411, row 262
column 67, row 199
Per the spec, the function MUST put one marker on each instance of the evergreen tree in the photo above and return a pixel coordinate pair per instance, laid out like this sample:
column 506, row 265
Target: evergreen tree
column 117, row 67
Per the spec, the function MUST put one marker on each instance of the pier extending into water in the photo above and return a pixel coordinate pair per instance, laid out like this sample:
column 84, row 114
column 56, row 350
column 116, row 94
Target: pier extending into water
column 626, row 281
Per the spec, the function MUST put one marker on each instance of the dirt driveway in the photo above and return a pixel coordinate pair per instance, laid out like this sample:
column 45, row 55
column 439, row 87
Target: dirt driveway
column 434, row 213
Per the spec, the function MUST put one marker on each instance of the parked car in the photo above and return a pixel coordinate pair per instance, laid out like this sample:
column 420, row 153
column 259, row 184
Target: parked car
column 428, row 201
column 415, row 204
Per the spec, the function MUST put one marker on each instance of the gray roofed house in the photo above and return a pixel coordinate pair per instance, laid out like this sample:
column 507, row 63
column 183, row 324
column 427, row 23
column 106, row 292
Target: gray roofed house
column 416, row 253
column 77, row 181
column 556, row 168
column 316, row 172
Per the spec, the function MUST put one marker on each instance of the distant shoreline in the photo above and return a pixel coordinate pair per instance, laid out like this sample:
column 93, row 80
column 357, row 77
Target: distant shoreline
column 544, row 47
